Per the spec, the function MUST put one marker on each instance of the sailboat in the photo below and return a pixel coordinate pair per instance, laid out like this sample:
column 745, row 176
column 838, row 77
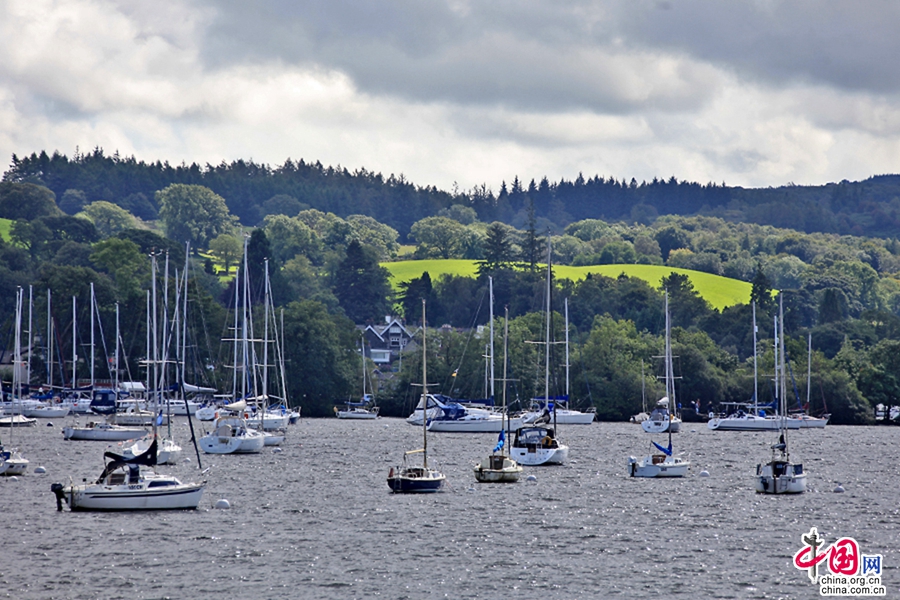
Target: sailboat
column 233, row 434
column 454, row 417
column 365, row 409
column 409, row 478
column 536, row 444
column 14, row 419
column 498, row 467
column 124, row 486
column 563, row 413
column 808, row 421
column 780, row 475
column 665, row 464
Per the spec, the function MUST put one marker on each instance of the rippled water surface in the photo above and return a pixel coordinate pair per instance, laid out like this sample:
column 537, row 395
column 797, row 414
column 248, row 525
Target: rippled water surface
column 318, row 521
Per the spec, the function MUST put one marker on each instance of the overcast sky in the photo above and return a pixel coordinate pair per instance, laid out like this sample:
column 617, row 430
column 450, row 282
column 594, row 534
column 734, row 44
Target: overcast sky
column 750, row 93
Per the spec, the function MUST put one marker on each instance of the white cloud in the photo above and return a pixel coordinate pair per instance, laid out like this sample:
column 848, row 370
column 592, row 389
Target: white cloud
column 468, row 92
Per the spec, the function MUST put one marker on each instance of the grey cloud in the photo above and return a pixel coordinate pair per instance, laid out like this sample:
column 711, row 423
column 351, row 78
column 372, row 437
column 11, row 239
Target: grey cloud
column 847, row 45
column 555, row 56
column 536, row 56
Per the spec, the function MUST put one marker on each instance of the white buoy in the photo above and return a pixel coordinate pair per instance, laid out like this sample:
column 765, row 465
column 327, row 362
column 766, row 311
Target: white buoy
column 223, row 503
column 40, row 470
column 693, row 431
column 531, row 478
column 839, row 489
column 187, row 460
column 277, row 451
column 13, row 478
column 471, row 489
column 704, row 473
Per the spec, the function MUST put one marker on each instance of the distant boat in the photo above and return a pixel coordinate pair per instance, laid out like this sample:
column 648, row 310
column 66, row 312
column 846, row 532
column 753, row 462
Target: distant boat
column 124, row 486
column 12, row 462
column 664, row 463
column 780, row 475
column 365, row 409
column 102, row 431
column 409, row 478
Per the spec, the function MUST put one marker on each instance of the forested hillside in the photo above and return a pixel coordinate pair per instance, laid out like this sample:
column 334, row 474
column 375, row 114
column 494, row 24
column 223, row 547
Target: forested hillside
column 252, row 191
column 322, row 233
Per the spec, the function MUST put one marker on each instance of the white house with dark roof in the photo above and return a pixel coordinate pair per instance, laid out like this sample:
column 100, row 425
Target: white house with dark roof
column 385, row 342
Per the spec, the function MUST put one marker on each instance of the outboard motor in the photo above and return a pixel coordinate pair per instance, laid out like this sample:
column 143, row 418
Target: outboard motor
column 57, row 488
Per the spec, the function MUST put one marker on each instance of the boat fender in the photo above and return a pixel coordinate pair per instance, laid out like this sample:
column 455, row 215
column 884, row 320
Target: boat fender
column 335, row 410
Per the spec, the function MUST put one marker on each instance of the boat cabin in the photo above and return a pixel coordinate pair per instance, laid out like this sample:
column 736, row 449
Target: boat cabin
column 535, row 437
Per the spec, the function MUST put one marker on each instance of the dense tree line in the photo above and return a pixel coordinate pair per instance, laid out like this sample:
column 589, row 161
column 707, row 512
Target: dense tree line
column 253, row 191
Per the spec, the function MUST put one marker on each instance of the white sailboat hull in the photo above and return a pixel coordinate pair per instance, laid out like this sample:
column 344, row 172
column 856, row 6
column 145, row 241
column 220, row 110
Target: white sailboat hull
column 563, row 416
column 358, row 414
column 47, row 412
column 102, row 497
column 657, row 465
column 661, row 425
column 497, row 469
column 103, row 432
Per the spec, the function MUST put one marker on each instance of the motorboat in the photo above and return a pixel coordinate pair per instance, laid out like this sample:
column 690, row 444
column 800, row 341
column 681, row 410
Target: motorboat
column 125, row 486
column 535, row 445
column 662, row 419
column 232, row 435
column 12, row 462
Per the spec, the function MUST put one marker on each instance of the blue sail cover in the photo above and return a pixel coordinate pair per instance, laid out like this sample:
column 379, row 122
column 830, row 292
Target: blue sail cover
column 501, row 440
column 666, row 451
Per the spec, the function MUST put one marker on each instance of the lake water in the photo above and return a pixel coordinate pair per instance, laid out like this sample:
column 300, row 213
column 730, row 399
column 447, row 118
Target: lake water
column 318, row 521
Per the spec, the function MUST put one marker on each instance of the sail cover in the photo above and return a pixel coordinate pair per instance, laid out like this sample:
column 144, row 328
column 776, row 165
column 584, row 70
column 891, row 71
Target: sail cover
column 117, row 461
column 666, row 451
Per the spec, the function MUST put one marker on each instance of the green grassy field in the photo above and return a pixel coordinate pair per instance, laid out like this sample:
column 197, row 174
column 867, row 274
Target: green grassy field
column 4, row 229
column 719, row 291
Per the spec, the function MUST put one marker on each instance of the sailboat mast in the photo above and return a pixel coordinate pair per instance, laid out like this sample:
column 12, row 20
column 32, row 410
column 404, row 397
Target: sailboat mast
column 783, row 390
column 30, row 337
column 74, row 346
column 491, row 351
column 547, row 339
column 755, row 372
column 808, row 367
column 92, row 337
column 49, row 344
column 670, row 375
column 505, row 365
column 566, row 304
column 424, row 393
column 116, row 358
